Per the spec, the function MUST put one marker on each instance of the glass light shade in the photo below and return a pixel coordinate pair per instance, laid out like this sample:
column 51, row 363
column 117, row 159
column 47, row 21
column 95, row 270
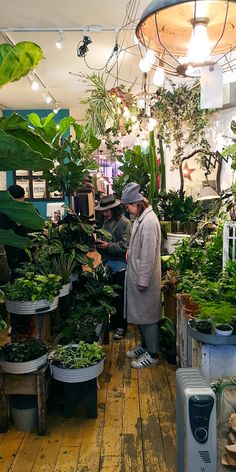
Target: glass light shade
column 199, row 47
column 159, row 77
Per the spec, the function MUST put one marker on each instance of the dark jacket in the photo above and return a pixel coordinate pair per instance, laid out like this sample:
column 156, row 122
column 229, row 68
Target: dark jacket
column 121, row 231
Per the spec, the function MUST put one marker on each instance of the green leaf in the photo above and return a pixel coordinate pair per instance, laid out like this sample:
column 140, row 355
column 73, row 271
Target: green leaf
column 9, row 237
column 15, row 154
column 35, row 120
column 14, row 121
column 65, row 124
column 229, row 150
column 21, row 212
column 16, row 61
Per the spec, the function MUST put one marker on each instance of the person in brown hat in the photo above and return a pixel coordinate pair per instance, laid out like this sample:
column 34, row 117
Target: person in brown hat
column 113, row 252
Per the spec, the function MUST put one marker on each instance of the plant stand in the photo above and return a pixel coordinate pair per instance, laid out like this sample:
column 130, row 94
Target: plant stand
column 34, row 383
column 170, row 306
column 83, row 391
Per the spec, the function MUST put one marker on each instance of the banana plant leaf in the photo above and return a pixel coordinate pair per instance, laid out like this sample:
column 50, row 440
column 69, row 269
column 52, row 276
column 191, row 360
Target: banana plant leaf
column 21, row 212
column 16, row 154
column 16, row 61
column 9, row 237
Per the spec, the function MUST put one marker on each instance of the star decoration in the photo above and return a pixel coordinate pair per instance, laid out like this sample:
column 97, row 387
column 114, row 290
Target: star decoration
column 187, row 172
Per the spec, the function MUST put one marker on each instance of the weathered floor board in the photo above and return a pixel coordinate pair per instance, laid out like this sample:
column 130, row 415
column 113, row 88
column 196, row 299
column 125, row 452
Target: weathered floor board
column 134, row 431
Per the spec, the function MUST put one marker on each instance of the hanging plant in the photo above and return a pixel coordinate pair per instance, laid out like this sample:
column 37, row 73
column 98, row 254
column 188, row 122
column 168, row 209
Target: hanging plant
column 180, row 120
column 102, row 107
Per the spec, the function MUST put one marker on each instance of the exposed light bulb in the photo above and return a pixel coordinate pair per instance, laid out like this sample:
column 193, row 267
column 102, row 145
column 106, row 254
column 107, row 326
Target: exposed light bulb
column 141, row 103
column 199, row 46
column 159, row 77
column 144, row 66
column 150, row 57
column 151, row 124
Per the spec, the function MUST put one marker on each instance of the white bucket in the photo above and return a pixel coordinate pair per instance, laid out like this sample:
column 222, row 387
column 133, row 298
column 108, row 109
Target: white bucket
column 77, row 375
column 173, row 239
column 65, row 290
column 31, row 308
column 23, row 367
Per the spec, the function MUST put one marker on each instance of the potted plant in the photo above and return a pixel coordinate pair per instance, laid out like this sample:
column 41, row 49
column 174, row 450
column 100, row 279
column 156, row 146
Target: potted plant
column 76, row 362
column 32, row 294
column 23, row 356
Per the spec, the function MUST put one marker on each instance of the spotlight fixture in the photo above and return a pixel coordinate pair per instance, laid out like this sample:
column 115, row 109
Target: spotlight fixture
column 56, row 108
column 47, row 97
column 82, row 48
column 59, row 42
column 33, row 81
column 190, row 34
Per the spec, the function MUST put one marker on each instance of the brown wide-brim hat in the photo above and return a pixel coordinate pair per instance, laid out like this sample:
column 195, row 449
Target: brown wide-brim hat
column 107, row 202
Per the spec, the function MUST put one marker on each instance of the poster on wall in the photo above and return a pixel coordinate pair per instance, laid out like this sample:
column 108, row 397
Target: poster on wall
column 37, row 173
column 55, row 211
column 24, row 183
column 22, row 173
column 39, row 188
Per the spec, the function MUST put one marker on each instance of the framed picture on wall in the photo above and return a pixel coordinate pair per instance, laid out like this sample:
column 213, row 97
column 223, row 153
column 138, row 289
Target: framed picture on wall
column 35, row 186
column 39, row 188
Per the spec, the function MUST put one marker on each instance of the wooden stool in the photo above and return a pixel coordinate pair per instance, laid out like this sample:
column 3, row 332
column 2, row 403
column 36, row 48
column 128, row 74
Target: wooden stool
column 33, row 383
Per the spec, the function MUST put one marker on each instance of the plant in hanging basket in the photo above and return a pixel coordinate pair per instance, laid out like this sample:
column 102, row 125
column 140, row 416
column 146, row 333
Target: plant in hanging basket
column 23, row 356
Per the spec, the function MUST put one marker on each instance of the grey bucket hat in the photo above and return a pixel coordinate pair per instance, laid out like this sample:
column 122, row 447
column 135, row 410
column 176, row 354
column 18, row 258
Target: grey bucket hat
column 131, row 194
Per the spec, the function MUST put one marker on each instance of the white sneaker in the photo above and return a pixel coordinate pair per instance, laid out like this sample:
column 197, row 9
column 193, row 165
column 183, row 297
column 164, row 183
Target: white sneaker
column 145, row 360
column 135, row 352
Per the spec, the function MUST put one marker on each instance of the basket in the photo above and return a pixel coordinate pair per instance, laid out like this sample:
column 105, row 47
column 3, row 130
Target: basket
column 30, row 308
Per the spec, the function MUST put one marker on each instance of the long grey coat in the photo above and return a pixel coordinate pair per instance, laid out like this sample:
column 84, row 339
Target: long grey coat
column 144, row 268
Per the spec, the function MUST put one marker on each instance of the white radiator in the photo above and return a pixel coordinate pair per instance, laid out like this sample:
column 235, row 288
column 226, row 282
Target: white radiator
column 196, row 422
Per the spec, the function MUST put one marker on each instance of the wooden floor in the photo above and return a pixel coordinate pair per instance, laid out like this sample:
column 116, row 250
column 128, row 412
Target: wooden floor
column 134, row 431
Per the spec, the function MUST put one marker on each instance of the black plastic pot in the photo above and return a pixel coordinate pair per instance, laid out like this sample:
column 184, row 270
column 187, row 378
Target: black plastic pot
column 204, row 326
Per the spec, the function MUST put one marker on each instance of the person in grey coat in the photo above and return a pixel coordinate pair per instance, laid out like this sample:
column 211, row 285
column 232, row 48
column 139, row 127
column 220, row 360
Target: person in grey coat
column 113, row 254
column 143, row 276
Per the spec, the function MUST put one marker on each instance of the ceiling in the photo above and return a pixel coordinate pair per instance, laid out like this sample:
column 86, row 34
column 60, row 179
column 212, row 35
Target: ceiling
column 62, row 72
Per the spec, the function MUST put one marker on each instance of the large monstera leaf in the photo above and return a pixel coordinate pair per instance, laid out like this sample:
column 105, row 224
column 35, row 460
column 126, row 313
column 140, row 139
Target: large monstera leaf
column 16, row 61
column 21, row 212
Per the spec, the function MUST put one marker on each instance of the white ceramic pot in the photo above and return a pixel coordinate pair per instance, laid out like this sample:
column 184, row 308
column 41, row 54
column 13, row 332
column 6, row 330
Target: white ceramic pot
column 31, row 308
column 220, row 332
column 77, row 375
column 65, row 290
column 173, row 239
column 23, row 367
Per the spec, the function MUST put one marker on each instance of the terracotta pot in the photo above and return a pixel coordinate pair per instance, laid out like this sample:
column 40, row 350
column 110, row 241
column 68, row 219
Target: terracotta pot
column 191, row 310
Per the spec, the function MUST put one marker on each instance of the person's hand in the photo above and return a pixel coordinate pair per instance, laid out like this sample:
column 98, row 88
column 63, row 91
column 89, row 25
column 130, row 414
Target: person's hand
column 141, row 288
column 126, row 257
column 102, row 244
